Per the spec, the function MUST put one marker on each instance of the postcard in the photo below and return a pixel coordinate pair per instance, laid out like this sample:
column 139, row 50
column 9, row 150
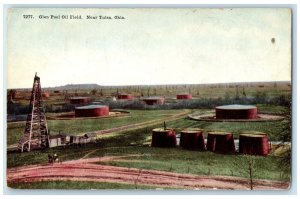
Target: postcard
column 149, row 98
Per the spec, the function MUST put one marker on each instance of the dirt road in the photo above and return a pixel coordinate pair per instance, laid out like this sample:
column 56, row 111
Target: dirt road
column 89, row 170
column 144, row 124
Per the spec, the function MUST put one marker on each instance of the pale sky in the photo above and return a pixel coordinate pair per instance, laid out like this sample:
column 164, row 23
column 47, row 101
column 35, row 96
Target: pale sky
column 150, row 46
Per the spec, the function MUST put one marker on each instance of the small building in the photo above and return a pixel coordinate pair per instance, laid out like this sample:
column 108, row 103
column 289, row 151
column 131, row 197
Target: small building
column 184, row 96
column 125, row 96
column 154, row 100
column 79, row 100
column 90, row 137
column 83, row 139
column 57, row 140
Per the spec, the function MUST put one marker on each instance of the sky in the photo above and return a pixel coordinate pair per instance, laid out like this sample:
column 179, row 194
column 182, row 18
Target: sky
column 149, row 46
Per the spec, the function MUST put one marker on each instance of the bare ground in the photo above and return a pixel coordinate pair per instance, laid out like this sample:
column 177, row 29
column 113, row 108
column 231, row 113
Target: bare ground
column 89, row 170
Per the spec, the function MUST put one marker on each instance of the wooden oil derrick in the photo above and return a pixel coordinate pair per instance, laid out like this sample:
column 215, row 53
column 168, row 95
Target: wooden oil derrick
column 10, row 97
column 36, row 131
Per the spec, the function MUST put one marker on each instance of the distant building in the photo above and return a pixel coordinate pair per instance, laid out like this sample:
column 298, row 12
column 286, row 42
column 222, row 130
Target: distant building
column 58, row 140
column 66, row 139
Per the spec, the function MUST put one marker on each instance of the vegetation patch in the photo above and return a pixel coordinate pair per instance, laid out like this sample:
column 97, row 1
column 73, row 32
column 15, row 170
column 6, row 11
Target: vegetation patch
column 137, row 142
column 67, row 185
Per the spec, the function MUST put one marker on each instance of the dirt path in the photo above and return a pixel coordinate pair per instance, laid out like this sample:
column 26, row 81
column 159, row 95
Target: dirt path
column 89, row 170
column 143, row 124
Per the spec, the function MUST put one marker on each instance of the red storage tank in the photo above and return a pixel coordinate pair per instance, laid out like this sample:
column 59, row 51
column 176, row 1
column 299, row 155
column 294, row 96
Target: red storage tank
column 163, row 137
column 125, row 96
column 92, row 111
column 45, row 95
column 254, row 143
column 79, row 100
column 184, row 96
column 154, row 100
column 192, row 138
column 236, row 111
column 220, row 142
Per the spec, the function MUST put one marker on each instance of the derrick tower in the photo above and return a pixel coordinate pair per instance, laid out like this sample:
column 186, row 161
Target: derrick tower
column 36, row 131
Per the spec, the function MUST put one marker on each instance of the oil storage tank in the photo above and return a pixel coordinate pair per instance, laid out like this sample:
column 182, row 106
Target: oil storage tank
column 192, row 138
column 254, row 143
column 92, row 111
column 125, row 96
column 236, row 111
column 162, row 137
column 184, row 96
column 220, row 142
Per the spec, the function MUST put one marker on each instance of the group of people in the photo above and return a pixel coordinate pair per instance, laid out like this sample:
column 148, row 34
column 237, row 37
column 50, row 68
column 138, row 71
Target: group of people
column 53, row 158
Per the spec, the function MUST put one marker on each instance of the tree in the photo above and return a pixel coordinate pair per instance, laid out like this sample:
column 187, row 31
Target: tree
column 244, row 92
column 286, row 137
column 227, row 95
column 260, row 97
column 245, row 165
column 94, row 91
column 237, row 96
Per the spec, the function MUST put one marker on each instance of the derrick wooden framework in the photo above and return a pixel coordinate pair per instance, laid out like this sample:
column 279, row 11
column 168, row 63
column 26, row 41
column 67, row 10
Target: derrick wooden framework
column 36, row 131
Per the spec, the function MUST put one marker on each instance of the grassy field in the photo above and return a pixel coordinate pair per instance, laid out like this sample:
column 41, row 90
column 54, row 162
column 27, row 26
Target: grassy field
column 137, row 142
column 195, row 162
column 271, row 128
column 77, row 185
column 15, row 130
column 177, row 160
column 213, row 91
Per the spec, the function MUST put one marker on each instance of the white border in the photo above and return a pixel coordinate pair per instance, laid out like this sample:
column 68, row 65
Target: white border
column 154, row 3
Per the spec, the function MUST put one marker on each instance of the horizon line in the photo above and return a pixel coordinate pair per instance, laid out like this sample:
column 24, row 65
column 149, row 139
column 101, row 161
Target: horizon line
column 146, row 85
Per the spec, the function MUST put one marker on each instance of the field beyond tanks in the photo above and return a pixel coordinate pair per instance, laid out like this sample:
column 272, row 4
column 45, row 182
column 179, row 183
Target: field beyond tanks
column 128, row 149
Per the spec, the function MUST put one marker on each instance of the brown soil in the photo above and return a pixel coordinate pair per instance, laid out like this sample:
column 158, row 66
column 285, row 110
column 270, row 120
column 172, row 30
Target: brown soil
column 88, row 170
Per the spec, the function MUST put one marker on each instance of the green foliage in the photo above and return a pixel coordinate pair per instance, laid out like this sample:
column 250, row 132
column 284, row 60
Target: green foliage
column 94, row 91
column 260, row 97
column 137, row 143
column 286, row 136
column 15, row 130
column 76, row 185
column 271, row 128
column 246, row 166
column 194, row 162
